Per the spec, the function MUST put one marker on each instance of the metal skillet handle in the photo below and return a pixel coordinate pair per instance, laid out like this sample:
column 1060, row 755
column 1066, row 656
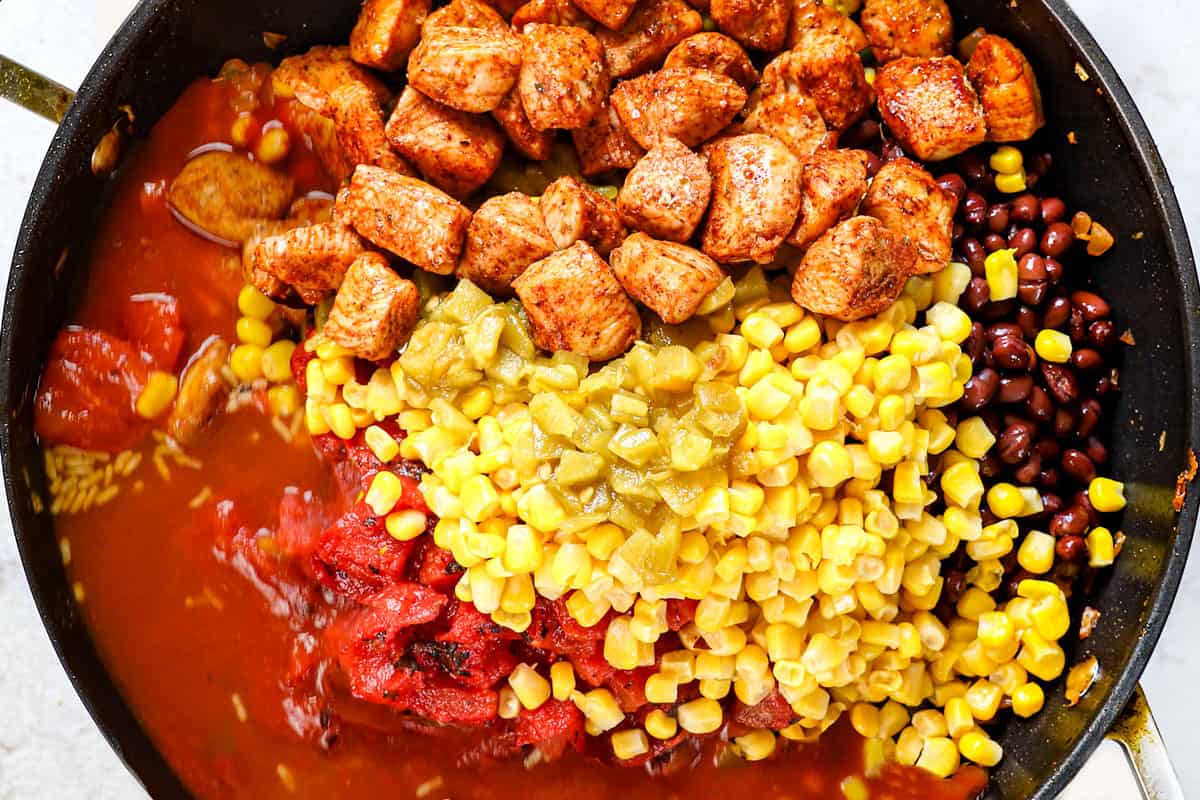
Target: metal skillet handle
column 34, row 91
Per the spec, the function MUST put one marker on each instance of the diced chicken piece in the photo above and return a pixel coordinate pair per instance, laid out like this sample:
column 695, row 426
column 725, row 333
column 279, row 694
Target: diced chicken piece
column 312, row 260
column 814, row 14
column 715, row 52
column 311, row 209
column 1008, row 90
column 358, row 120
column 312, row 76
column 791, row 117
column 670, row 279
column 387, row 31
column 320, row 130
column 899, row 28
column 757, row 24
column 575, row 303
column 857, row 268
column 341, row 211
column 930, row 107
column 612, row 14
column 506, row 235
column 408, row 217
column 201, row 390
column 831, row 187
column 453, row 150
column 470, row 69
column 265, row 282
column 528, row 140
column 666, row 194
column 605, row 144
column 755, row 198
column 563, row 79
column 227, row 195
column 826, row 67
column 644, row 41
column 691, row 105
column 551, row 12
column 906, row 198
column 465, row 14
column 575, row 213
column 375, row 310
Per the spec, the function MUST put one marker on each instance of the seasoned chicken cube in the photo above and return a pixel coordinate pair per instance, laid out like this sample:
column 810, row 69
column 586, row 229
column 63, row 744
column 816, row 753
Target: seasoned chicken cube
column 228, row 195
column 757, row 24
column 906, row 198
column 605, row 143
column 899, row 28
column 930, row 107
column 609, row 13
column 857, row 268
column 375, row 310
column 814, row 14
column 387, row 31
column 692, row 105
column 408, row 217
column 826, row 67
column 358, row 121
column 575, row 303
column 670, row 279
column 551, row 12
column 506, row 235
column 563, row 79
column 341, row 212
column 455, row 151
column 575, row 213
column 715, row 52
column 313, row 259
column 470, row 69
column 831, row 186
column 528, row 140
column 310, row 77
column 666, row 194
column 1008, row 90
column 465, row 14
column 791, row 117
column 653, row 29
column 321, row 132
column 755, row 198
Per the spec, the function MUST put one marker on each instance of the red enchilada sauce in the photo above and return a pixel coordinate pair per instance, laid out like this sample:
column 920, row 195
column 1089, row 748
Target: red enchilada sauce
column 214, row 634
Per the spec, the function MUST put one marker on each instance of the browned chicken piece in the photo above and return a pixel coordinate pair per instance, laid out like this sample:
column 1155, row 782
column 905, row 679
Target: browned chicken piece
column 831, row 186
column 644, row 41
column 227, row 195
column 455, row 151
column 791, row 117
column 201, row 390
column 528, row 140
column 358, row 120
column 310, row 77
column 814, row 14
column 265, row 282
column 506, row 235
column 906, row 198
column 470, row 69
column 341, row 212
column 827, row 68
column 715, row 52
column 465, row 14
column 855, row 269
column 757, row 24
column 321, row 132
column 605, row 144
column 1008, row 90
column 930, row 107
column 899, row 28
column 612, row 14
column 691, row 105
column 755, row 198
column 551, row 12
column 666, row 194
column 375, row 310
column 311, row 209
column 575, row 213
column 408, row 217
column 563, row 79
column 313, row 259
column 668, row 278
column 575, row 303
column 387, row 31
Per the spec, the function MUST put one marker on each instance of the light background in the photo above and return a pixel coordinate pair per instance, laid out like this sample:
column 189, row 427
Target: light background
column 48, row 745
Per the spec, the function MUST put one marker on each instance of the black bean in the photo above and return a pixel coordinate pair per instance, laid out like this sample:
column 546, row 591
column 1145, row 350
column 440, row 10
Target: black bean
column 1058, row 311
column 1089, row 416
column 1024, row 240
column 998, row 310
column 998, row 329
column 1013, row 352
column 974, row 208
column 979, row 389
column 1032, row 292
column 997, row 218
column 1015, row 443
column 1104, row 386
column 1073, row 521
column 975, row 342
column 1060, row 381
column 1039, row 164
column 1051, row 504
column 1077, row 465
column 973, row 251
column 1064, row 422
column 1054, row 270
column 1031, row 267
column 1027, row 319
column 1057, row 239
column 1053, row 210
column 1070, row 548
column 990, row 467
column 977, row 294
column 1102, row 333
column 957, row 231
column 1039, row 405
column 1076, row 327
column 952, row 182
column 1048, row 480
column 972, row 167
column 1025, row 208
column 1087, row 359
column 1049, row 449
column 1015, row 389
column 1028, row 472
column 1092, row 305
column 993, row 242
column 1096, row 450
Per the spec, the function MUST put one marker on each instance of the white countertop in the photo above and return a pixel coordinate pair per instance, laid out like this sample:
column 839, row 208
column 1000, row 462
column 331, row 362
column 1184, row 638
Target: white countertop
column 48, row 745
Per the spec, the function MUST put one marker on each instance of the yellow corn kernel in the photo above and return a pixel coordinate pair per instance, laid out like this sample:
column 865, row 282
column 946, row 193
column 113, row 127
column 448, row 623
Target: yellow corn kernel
column 1000, row 270
column 284, row 401
column 530, row 688
column 1106, row 494
column 865, row 719
column 959, row 718
column 767, row 397
column 476, row 402
column 621, row 649
column 406, row 525
column 974, row 602
column 1053, row 346
column 662, row 687
column 973, row 438
column 661, row 725
column 254, row 304
column 253, row 331
column 1011, row 183
column 1041, row 658
column 1006, row 160
column 756, row 745
column 892, row 719
column 541, row 509
column 326, row 348
column 950, row 321
column 892, row 374
column 909, row 746
column 314, row 417
column 157, row 395
column 479, row 498
column 1028, row 699
column 700, row 716
column 829, row 464
column 983, row 698
column 995, row 629
column 340, row 420
column 951, row 282
column 601, row 709
column 630, row 744
column 976, row 746
column 715, row 688
column 761, row 331
column 1100, row 546
column 382, row 443
column 859, row 401
column 246, row 362
column 1036, row 553
column 1050, row 617
column 804, row 335
column 962, row 486
column 1005, row 501
column 508, row 706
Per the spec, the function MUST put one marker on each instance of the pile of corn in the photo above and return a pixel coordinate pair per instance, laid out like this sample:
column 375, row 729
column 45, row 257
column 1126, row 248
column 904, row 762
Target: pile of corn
column 260, row 357
column 773, row 471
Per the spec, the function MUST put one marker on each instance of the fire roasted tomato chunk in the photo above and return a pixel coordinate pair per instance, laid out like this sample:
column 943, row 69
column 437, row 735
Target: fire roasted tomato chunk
column 152, row 324
column 554, row 726
column 357, row 557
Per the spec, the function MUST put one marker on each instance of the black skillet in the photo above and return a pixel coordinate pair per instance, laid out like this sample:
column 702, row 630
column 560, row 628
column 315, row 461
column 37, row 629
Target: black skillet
column 1114, row 171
